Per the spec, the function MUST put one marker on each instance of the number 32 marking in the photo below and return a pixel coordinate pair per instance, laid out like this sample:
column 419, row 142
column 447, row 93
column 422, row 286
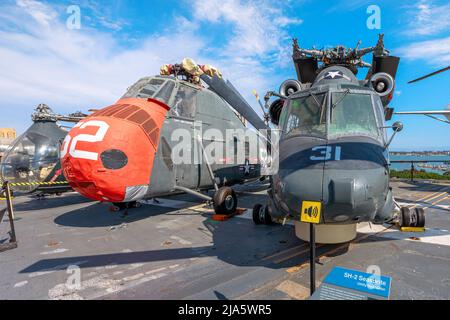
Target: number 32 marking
column 70, row 144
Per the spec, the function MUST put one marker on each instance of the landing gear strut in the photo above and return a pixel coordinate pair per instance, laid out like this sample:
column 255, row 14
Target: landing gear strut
column 119, row 206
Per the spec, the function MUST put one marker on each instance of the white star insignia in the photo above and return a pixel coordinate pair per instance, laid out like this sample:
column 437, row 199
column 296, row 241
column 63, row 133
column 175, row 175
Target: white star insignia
column 333, row 74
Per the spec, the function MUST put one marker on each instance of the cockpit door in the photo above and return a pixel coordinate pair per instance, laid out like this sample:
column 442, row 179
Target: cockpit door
column 184, row 144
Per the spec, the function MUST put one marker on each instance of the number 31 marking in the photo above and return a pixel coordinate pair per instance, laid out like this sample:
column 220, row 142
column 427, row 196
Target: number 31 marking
column 326, row 153
column 72, row 142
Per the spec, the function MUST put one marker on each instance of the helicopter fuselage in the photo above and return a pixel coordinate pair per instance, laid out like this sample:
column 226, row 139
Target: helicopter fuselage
column 149, row 143
column 333, row 150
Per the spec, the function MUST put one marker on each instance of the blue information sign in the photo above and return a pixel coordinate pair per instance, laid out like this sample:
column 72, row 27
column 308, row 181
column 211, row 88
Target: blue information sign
column 347, row 284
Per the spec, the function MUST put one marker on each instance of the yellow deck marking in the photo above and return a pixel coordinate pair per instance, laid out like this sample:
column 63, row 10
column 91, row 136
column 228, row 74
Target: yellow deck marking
column 293, row 290
column 430, row 197
column 434, row 203
column 296, row 254
column 358, row 239
column 284, row 251
column 412, row 229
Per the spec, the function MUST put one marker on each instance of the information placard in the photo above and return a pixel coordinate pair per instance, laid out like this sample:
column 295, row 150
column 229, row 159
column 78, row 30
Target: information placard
column 347, row 284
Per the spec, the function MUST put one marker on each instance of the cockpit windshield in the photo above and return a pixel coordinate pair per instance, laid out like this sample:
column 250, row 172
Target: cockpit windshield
column 352, row 113
column 349, row 113
column 306, row 116
column 157, row 88
column 32, row 158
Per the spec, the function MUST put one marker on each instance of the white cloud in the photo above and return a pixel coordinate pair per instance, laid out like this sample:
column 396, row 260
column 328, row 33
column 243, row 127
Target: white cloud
column 426, row 18
column 99, row 15
column 44, row 62
column 258, row 27
column 435, row 51
column 40, row 12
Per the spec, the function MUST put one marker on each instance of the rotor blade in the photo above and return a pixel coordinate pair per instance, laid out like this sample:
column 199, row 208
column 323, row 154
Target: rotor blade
column 227, row 91
column 445, row 113
column 431, row 74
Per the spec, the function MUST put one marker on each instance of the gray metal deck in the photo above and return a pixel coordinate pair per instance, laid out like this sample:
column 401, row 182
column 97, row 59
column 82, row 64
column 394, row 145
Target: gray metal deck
column 174, row 250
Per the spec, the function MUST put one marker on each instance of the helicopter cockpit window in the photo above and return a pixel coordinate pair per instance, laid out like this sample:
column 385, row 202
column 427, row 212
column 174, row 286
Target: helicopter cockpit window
column 31, row 159
column 150, row 89
column 306, row 116
column 165, row 92
column 185, row 101
column 144, row 88
column 352, row 113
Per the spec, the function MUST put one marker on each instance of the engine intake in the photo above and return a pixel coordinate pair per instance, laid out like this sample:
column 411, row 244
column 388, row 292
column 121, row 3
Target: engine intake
column 289, row 87
column 275, row 111
column 384, row 85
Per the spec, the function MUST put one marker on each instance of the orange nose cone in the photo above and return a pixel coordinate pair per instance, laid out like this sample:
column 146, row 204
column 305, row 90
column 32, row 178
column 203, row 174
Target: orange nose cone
column 109, row 155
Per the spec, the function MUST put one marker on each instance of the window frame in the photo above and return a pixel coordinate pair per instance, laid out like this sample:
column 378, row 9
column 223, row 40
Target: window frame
column 171, row 114
column 377, row 137
column 288, row 108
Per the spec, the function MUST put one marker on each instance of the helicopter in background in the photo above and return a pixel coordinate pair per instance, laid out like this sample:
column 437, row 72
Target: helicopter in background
column 123, row 153
column 31, row 163
column 430, row 113
column 334, row 148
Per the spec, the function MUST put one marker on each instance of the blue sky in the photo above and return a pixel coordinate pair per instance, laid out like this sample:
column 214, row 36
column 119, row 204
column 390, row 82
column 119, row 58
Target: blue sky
column 42, row 61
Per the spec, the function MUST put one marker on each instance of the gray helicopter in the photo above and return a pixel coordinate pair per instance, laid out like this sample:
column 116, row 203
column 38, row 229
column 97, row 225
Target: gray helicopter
column 31, row 164
column 334, row 144
column 168, row 134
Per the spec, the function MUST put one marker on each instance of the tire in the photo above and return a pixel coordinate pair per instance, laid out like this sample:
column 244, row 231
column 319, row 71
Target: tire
column 412, row 218
column 267, row 217
column 420, row 213
column 257, row 213
column 134, row 204
column 121, row 205
column 138, row 205
column 405, row 217
column 225, row 201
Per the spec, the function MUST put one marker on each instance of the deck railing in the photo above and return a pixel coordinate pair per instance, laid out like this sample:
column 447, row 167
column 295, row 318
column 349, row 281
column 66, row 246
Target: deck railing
column 415, row 161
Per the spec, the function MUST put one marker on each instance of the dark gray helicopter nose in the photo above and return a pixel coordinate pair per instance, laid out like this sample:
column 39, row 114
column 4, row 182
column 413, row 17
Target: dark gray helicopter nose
column 353, row 195
column 345, row 194
column 352, row 189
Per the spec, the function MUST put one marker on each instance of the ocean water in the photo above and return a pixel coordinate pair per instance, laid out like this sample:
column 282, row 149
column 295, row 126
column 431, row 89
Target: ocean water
column 407, row 166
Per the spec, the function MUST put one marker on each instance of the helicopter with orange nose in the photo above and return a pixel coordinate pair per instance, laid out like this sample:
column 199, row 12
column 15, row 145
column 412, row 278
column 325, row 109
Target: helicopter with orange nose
column 148, row 144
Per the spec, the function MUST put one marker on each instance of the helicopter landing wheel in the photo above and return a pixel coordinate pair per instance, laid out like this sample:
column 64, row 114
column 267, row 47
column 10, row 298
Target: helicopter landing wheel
column 257, row 211
column 225, row 201
column 134, row 204
column 119, row 206
column 412, row 218
column 261, row 215
column 420, row 217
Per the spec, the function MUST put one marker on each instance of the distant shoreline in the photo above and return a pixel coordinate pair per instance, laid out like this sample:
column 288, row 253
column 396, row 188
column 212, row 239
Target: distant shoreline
column 420, row 153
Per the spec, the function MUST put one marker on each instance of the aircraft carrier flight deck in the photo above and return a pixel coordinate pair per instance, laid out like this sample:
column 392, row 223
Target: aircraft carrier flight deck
column 170, row 248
